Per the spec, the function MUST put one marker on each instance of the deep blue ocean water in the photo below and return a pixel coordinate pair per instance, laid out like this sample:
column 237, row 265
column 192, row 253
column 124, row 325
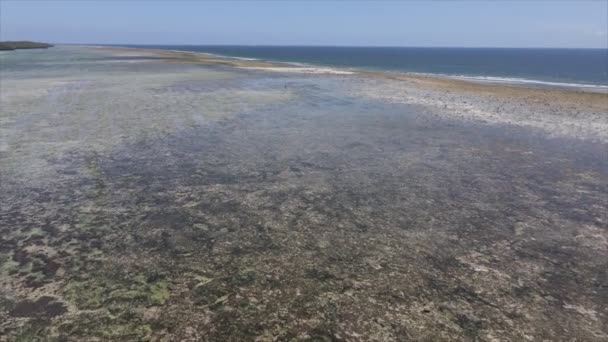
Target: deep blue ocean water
column 573, row 66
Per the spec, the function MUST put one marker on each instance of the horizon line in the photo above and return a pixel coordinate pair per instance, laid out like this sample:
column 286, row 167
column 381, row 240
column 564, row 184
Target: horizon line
column 340, row 46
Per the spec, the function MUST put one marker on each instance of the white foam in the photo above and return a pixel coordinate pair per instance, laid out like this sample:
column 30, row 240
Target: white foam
column 516, row 80
column 303, row 70
column 244, row 58
column 219, row 56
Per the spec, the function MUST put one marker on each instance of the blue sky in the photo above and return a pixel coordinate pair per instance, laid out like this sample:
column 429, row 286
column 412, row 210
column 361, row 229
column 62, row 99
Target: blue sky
column 392, row 23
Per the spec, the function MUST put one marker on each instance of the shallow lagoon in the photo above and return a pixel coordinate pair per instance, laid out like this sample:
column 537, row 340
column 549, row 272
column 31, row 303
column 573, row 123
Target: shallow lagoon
column 145, row 199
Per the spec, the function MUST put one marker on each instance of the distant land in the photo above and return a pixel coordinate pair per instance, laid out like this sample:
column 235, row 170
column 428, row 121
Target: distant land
column 14, row 45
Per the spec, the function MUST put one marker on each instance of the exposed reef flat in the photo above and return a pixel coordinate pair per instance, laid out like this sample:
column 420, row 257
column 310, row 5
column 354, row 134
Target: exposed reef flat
column 573, row 112
column 163, row 196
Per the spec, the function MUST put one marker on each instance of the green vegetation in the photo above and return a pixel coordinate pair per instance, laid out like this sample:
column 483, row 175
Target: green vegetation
column 14, row 45
column 95, row 293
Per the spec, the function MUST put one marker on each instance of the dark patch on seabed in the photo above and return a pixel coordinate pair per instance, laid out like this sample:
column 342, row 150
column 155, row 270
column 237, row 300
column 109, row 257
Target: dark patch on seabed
column 331, row 222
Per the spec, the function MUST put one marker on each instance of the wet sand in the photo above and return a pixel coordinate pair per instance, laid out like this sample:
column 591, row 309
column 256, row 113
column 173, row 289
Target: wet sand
column 152, row 196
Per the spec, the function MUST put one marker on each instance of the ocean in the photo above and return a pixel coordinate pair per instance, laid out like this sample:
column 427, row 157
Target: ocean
column 568, row 67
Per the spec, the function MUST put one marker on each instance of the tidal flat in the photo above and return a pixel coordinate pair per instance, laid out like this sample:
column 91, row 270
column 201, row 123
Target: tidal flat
column 157, row 196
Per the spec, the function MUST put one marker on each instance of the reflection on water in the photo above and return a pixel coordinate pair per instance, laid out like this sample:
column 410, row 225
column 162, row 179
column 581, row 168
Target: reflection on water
column 182, row 202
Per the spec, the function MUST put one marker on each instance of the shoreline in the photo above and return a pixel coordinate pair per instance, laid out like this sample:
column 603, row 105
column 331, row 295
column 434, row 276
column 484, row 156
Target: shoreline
column 557, row 111
column 285, row 66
